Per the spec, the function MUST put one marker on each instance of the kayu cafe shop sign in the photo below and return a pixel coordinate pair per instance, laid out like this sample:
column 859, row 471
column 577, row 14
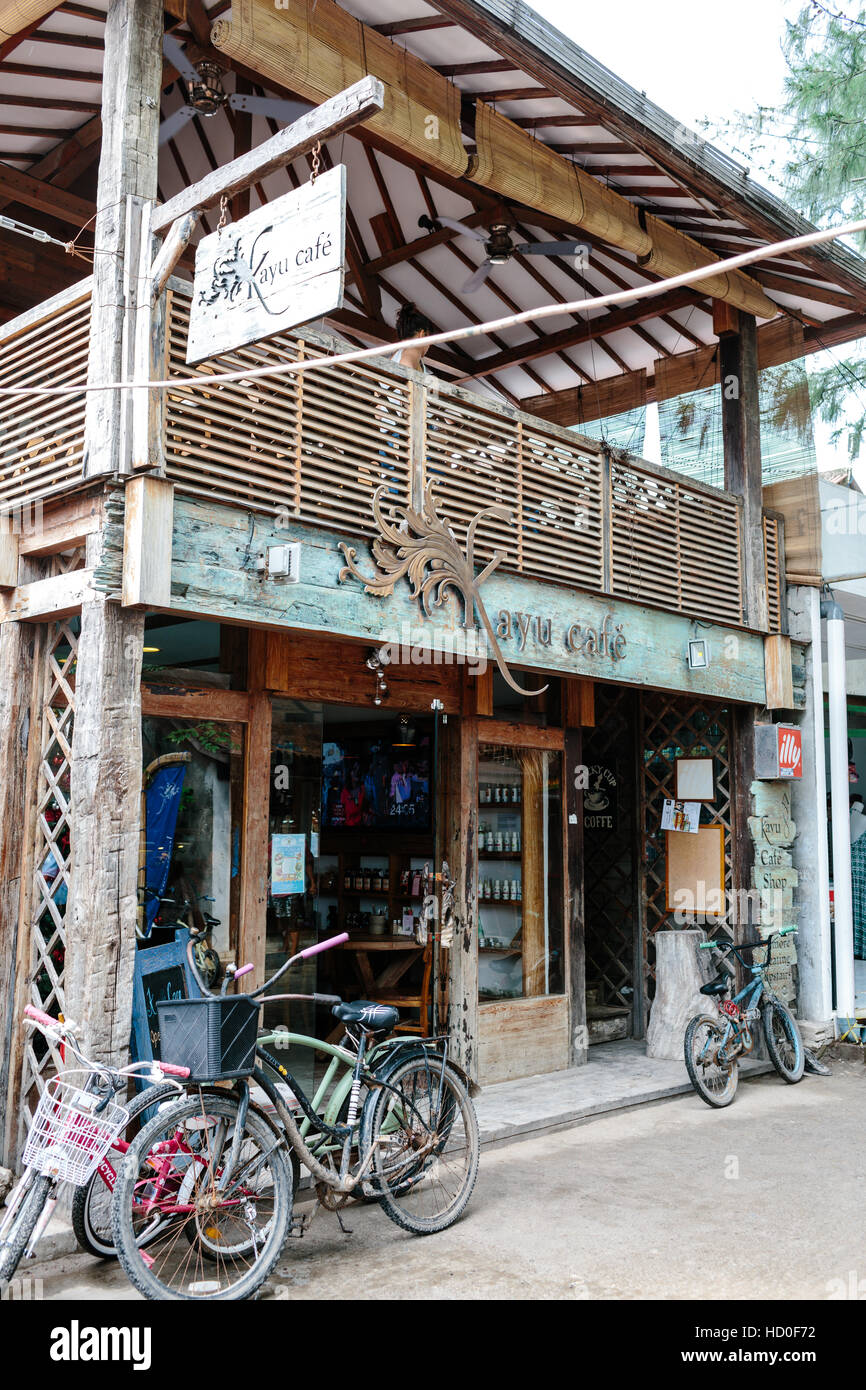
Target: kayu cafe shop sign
column 280, row 266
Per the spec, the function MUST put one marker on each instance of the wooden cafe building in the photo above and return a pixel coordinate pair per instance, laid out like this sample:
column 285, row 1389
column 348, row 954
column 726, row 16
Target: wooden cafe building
column 411, row 652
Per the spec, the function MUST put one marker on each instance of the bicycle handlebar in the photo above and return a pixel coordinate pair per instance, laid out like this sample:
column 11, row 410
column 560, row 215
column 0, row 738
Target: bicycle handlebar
column 324, row 945
column 171, row 1070
column 39, row 1017
column 244, row 970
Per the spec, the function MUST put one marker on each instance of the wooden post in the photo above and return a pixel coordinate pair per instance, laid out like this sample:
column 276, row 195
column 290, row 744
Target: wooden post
column 462, row 827
column 106, row 746
column 741, row 437
column 534, row 873
column 575, row 918
column 257, row 781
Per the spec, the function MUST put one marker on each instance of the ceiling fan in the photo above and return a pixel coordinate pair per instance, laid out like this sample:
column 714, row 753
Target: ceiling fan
column 205, row 95
column 500, row 248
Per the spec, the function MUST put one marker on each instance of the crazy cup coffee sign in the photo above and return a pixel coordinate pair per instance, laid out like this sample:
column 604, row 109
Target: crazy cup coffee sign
column 279, row 267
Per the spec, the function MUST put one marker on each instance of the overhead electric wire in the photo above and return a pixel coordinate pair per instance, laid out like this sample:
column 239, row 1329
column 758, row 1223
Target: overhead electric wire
column 630, row 296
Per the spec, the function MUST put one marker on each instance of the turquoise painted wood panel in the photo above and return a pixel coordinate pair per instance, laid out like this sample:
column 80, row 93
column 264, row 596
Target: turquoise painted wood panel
column 540, row 627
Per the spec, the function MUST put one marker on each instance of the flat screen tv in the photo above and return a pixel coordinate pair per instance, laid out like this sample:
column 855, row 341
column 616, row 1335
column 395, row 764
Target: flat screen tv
column 371, row 782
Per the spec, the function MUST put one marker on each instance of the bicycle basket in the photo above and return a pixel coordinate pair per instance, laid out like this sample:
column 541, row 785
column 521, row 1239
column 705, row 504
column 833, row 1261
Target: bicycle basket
column 67, row 1140
column 215, row 1038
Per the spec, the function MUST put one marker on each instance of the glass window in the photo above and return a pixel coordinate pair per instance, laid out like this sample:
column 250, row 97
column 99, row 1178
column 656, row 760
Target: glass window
column 192, row 799
column 520, row 873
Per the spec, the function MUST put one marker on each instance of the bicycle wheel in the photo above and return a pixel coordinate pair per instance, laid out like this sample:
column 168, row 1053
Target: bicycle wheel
column 91, row 1204
column 14, row 1237
column 784, row 1043
column 715, row 1084
column 423, row 1132
column 202, row 1240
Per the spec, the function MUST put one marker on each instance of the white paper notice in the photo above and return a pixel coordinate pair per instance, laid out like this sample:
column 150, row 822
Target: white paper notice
column 681, row 815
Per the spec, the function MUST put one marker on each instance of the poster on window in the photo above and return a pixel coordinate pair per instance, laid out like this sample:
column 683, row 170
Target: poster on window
column 377, row 783
column 288, row 853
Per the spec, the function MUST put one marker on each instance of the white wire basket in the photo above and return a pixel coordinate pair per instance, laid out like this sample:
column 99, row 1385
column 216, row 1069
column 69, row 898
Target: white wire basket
column 67, row 1140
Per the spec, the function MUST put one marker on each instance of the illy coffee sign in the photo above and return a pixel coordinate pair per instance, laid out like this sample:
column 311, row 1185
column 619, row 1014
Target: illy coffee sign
column 778, row 751
column 790, row 751
column 281, row 266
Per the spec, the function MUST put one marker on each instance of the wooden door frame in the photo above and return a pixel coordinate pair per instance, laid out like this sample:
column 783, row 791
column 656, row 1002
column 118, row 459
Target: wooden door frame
column 546, row 738
column 252, row 709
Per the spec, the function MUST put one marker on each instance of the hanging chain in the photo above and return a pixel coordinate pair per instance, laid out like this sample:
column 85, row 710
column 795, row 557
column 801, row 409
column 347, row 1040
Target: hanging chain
column 315, row 169
column 224, row 212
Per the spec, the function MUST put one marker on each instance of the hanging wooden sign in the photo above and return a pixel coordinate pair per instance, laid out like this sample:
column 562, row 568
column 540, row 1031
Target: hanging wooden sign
column 278, row 267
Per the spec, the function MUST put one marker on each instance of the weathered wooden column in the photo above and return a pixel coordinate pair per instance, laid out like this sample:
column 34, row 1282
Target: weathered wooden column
column 106, row 749
column 460, row 842
column 741, row 437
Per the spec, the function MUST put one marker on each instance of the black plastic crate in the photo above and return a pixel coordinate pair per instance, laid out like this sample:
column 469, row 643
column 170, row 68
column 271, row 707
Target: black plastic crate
column 215, row 1038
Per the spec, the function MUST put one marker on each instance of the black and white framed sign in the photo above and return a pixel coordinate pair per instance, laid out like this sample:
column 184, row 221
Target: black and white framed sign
column 280, row 266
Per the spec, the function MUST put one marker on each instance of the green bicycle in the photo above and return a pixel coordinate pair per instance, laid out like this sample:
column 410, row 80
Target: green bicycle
column 714, row 1042
column 204, row 1198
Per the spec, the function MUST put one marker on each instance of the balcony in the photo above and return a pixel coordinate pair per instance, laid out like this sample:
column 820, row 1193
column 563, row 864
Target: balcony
column 315, row 447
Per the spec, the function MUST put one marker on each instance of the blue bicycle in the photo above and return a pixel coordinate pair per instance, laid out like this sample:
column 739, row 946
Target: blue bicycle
column 714, row 1043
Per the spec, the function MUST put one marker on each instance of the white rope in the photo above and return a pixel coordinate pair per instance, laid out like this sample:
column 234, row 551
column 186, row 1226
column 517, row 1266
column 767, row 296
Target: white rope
column 689, row 277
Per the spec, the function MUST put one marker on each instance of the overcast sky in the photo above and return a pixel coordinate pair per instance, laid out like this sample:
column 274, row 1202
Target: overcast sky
column 692, row 59
column 695, row 61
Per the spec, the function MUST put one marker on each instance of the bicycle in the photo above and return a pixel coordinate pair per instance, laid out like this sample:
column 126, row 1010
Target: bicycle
column 713, row 1043
column 411, row 1145
column 73, row 1127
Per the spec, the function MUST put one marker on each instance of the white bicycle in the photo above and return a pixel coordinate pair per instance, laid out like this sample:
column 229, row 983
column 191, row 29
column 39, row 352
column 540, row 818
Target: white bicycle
column 75, row 1124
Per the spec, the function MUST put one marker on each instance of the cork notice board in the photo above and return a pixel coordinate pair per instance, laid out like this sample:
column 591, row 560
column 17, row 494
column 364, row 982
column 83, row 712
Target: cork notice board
column 696, row 864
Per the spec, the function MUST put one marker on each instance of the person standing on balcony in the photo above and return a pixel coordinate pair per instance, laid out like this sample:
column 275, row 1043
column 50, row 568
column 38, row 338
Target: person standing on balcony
column 411, row 323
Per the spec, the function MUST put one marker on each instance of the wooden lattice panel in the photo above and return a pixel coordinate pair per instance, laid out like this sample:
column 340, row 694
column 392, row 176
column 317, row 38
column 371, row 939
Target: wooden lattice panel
column 674, row 545
column 561, row 511
column 237, row 443
column 610, row 860
column 550, row 486
column 51, row 859
column 355, row 438
column 473, row 455
column 674, row 727
column 42, row 438
column 774, row 573
column 311, row 447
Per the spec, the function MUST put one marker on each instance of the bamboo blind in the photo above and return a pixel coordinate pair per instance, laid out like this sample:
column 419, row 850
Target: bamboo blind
column 42, row 440
column 322, row 50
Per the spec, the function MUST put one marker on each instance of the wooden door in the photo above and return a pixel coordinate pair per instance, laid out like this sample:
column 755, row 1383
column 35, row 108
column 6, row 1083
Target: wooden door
column 521, row 897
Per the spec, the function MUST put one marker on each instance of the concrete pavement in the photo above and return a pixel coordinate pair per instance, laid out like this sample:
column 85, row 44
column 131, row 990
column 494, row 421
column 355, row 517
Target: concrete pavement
column 671, row 1200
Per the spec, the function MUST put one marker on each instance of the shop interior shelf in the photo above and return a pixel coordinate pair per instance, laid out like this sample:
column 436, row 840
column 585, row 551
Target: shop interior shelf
column 513, row 854
column 500, row 950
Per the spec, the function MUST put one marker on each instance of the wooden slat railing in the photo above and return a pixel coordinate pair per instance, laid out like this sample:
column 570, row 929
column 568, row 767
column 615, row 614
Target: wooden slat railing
column 314, row 447
column 42, row 439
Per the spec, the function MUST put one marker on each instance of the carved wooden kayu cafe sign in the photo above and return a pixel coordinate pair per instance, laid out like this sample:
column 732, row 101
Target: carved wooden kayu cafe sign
column 421, row 547
column 278, row 267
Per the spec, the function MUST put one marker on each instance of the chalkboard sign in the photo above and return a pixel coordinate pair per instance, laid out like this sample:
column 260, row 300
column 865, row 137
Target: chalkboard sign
column 161, row 972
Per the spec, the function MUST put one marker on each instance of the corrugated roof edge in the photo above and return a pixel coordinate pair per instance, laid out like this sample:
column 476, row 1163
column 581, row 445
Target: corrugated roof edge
column 555, row 50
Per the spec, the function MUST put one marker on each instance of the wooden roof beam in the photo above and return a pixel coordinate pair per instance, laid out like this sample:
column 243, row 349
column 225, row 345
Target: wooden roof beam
column 544, row 68
column 585, row 332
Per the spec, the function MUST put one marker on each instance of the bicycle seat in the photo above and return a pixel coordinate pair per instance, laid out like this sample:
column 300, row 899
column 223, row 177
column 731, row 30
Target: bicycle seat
column 717, row 986
column 378, row 1018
